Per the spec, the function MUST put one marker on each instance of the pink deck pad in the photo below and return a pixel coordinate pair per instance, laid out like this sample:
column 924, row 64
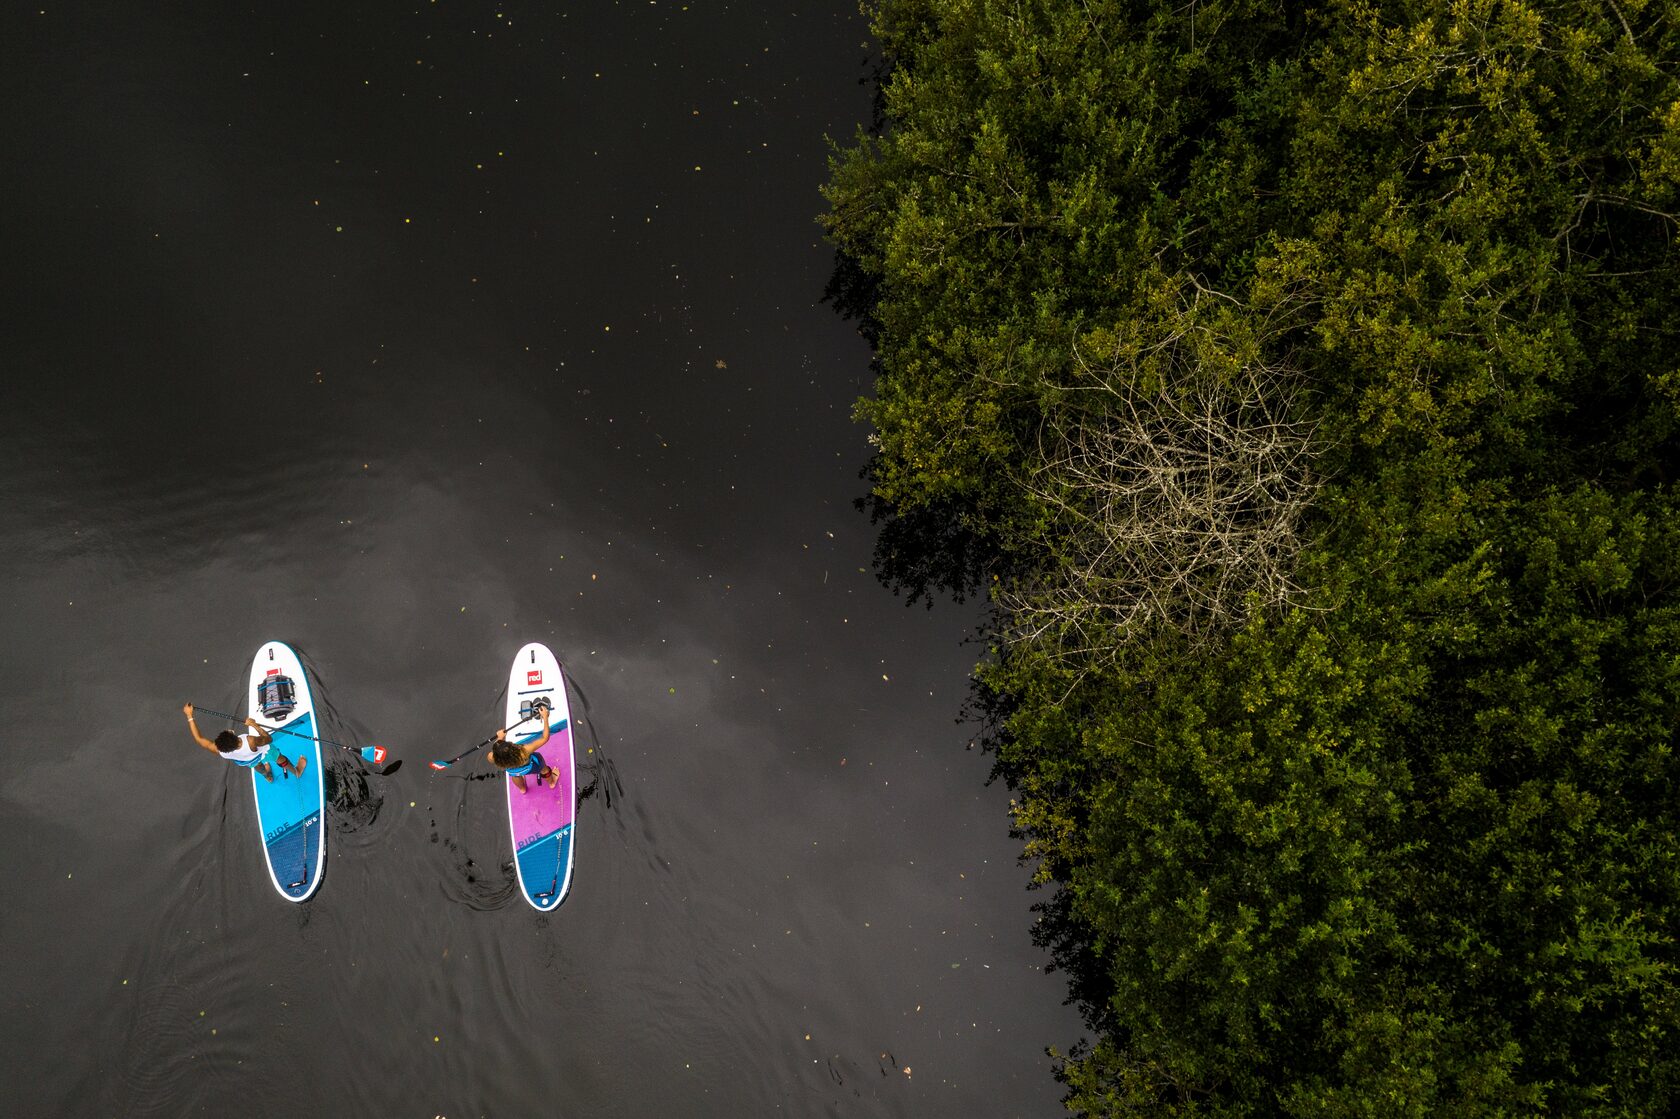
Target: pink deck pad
column 541, row 811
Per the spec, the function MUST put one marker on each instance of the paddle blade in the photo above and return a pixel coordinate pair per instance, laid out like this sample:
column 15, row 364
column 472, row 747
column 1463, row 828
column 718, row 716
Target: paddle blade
column 374, row 754
column 440, row 765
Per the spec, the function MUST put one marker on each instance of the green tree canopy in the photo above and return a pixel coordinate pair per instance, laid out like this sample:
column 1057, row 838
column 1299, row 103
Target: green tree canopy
column 1371, row 807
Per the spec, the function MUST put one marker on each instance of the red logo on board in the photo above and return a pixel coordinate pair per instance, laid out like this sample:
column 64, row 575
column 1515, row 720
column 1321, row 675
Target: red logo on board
column 534, row 676
column 272, row 672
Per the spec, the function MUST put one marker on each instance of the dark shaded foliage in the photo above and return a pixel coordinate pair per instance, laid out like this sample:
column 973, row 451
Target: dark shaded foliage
column 1406, row 845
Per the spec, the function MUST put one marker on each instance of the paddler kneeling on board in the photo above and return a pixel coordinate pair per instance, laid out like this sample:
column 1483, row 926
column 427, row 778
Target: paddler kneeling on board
column 249, row 750
column 521, row 760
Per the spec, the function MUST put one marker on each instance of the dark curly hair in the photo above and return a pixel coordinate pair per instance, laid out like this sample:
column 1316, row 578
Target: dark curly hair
column 226, row 741
column 507, row 754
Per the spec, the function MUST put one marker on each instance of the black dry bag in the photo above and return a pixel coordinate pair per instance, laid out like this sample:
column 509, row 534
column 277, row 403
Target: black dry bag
column 276, row 697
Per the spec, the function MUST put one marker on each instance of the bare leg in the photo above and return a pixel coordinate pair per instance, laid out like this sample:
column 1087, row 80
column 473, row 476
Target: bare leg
column 551, row 776
column 518, row 783
column 262, row 768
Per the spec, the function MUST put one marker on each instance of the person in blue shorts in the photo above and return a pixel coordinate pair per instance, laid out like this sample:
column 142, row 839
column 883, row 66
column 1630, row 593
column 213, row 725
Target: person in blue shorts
column 249, row 750
column 521, row 760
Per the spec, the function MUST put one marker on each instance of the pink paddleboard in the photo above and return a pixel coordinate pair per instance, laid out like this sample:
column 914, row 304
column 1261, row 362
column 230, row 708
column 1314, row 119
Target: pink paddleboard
column 542, row 817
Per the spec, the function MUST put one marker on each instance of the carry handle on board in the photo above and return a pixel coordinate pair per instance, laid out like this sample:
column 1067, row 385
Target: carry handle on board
column 374, row 754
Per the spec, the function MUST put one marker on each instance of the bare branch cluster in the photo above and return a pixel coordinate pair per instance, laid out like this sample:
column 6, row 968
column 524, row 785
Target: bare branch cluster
column 1176, row 476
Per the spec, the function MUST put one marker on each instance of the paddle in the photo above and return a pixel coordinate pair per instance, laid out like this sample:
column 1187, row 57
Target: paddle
column 471, row 750
column 374, row 754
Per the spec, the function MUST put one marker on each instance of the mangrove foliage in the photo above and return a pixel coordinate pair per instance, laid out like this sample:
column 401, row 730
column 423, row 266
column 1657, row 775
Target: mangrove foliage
column 1301, row 385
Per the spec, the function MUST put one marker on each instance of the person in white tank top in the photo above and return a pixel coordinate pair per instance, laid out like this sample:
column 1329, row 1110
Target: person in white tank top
column 248, row 750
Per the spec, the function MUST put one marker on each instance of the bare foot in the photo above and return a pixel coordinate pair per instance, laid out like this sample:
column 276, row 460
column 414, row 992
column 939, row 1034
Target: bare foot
column 266, row 772
column 301, row 764
column 518, row 783
column 551, row 777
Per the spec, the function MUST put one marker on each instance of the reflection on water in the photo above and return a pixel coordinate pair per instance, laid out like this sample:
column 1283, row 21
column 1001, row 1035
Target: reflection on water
column 603, row 779
column 598, row 768
column 188, row 1037
column 170, row 1051
column 253, row 400
column 354, row 793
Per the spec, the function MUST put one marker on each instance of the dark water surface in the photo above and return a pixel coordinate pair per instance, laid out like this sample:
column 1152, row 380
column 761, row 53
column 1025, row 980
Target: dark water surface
column 408, row 334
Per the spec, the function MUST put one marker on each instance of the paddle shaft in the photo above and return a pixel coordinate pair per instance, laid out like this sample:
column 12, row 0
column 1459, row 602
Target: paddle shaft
column 475, row 749
column 283, row 730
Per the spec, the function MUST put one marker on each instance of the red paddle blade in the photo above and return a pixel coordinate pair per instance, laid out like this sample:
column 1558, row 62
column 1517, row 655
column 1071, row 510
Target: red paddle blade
column 375, row 754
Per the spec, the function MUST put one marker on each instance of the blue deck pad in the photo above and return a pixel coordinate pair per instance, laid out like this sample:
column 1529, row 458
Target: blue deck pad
column 292, row 854
column 290, row 810
column 542, row 863
column 525, row 739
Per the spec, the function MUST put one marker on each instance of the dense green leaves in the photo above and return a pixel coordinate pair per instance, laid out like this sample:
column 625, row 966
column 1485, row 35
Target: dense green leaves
column 1404, row 841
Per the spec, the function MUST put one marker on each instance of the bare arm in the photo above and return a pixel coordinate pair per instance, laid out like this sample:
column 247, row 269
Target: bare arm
column 527, row 748
column 261, row 738
column 192, row 728
column 531, row 747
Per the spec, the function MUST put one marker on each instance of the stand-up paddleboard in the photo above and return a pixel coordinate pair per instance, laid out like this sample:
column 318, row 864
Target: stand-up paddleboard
column 290, row 810
column 542, row 817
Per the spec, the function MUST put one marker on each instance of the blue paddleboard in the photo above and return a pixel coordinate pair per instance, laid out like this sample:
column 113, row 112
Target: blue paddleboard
column 291, row 812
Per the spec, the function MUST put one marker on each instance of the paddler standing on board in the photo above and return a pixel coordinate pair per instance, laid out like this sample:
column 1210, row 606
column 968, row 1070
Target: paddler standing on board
column 249, row 750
